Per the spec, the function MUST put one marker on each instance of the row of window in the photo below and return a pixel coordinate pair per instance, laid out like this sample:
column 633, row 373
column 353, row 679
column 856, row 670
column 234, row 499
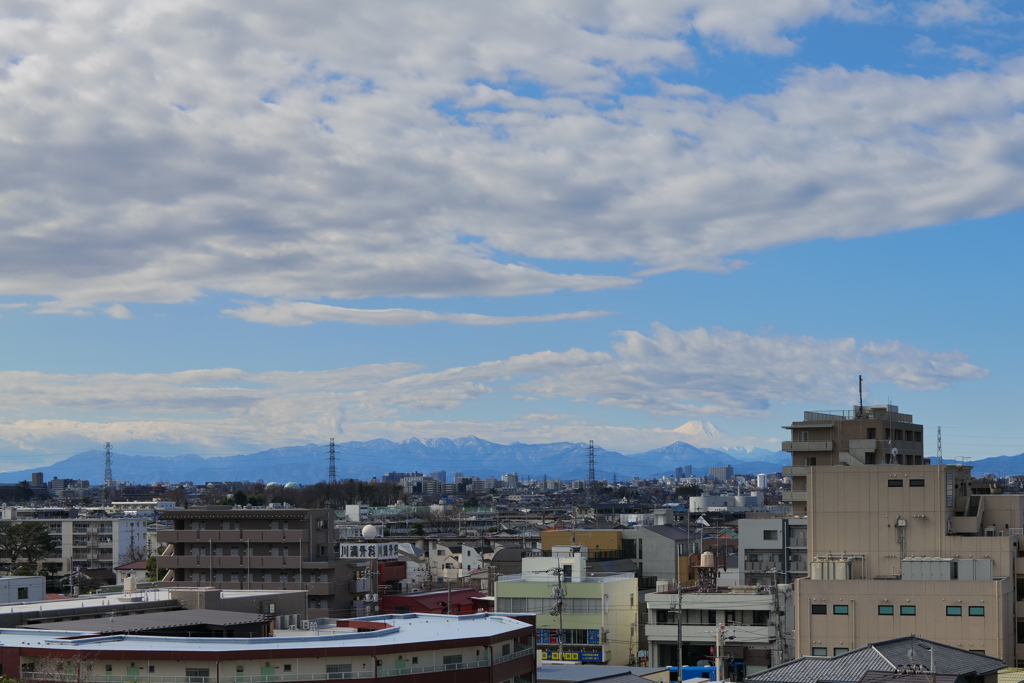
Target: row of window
column 905, row 610
column 898, row 483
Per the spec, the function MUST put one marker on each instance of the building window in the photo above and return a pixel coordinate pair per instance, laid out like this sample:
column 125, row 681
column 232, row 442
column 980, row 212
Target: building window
column 954, row 611
column 819, row 609
column 338, row 670
column 771, row 535
column 977, row 652
column 287, row 667
column 917, row 482
column 840, row 609
column 885, row 609
column 976, row 611
column 819, row 652
column 840, row 651
column 895, row 483
column 152, row 669
column 872, row 433
column 803, row 436
column 452, row 662
column 23, row 593
column 908, row 610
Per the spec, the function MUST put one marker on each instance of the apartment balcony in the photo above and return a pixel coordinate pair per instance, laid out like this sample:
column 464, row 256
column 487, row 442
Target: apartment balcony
column 794, row 471
column 237, row 536
column 704, row 633
column 801, row 446
column 762, row 566
column 794, row 496
column 229, row 562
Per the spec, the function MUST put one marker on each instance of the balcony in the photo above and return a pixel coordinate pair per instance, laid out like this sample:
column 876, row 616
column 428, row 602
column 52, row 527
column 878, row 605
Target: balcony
column 239, row 536
column 794, row 471
column 794, row 496
column 801, row 446
column 704, row 633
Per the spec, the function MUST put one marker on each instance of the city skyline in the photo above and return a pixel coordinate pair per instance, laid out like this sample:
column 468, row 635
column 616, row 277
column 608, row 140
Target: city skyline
column 226, row 227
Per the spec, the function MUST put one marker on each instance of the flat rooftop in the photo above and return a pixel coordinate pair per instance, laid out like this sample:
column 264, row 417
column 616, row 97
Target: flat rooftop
column 400, row 629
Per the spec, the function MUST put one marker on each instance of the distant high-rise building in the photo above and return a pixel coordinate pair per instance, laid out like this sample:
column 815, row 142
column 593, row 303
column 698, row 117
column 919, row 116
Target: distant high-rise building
column 721, row 473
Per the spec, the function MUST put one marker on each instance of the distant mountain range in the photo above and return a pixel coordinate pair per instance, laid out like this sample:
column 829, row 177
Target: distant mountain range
column 365, row 459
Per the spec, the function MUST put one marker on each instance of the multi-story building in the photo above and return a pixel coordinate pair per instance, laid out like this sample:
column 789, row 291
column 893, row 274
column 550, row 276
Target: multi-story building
column 595, row 620
column 898, row 546
column 286, row 549
column 91, row 542
column 874, row 435
column 772, row 550
column 757, row 621
column 724, row 473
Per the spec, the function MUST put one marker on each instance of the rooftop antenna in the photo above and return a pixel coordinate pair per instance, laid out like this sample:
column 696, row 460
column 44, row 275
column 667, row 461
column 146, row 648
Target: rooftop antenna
column 938, row 449
column 860, row 390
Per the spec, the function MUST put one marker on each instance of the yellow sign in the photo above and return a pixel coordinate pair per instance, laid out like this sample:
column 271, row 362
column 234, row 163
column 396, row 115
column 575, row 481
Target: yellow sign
column 563, row 656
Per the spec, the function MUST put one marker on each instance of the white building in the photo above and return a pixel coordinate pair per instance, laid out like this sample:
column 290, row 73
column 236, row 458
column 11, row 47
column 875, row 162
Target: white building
column 86, row 542
column 758, row 625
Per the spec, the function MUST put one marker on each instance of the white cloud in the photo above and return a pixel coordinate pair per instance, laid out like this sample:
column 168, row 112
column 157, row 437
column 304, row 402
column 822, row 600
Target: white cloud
column 955, row 11
column 119, row 312
column 306, row 313
column 678, row 374
column 406, row 150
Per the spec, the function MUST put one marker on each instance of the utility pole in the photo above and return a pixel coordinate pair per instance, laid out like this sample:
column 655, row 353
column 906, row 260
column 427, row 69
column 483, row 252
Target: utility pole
column 679, row 625
column 719, row 660
column 779, row 652
column 559, row 595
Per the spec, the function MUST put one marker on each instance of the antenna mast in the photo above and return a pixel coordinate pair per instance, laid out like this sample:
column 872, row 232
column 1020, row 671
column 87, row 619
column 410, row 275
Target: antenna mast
column 860, row 390
column 938, row 449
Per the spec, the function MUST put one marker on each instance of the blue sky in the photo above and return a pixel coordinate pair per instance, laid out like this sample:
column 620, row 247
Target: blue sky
column 226, row 227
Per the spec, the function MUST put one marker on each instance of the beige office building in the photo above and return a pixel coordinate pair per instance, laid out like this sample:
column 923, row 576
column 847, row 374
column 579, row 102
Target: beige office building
column 898, row 546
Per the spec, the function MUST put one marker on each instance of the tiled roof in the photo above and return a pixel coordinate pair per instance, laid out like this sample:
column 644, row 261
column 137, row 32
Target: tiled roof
column 888, row 655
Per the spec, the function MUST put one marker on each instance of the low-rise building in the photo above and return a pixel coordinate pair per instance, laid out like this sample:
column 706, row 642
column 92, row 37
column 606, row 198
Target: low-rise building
column 594, row 619
column 475, row 648
column 758, row 624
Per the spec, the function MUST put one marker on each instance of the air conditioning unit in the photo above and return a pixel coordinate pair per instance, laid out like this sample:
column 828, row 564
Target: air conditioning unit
column 305, row 624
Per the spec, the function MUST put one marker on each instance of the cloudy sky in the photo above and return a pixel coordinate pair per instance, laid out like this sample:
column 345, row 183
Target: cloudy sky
column 232, row 225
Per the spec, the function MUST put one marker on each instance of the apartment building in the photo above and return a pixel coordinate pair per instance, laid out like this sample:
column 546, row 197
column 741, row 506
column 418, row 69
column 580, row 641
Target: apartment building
column 875, row 435
column 757, row 621
column 597, row 621
column 262, row 548
column 898, row 546
column 85, row 542
column 772, row 550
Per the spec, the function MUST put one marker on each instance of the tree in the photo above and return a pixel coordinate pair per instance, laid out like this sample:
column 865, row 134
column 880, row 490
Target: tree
column 30, row 541
column 689, row 490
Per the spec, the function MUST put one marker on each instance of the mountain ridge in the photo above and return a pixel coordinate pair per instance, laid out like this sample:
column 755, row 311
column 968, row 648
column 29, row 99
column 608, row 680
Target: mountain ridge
column 374, row 458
